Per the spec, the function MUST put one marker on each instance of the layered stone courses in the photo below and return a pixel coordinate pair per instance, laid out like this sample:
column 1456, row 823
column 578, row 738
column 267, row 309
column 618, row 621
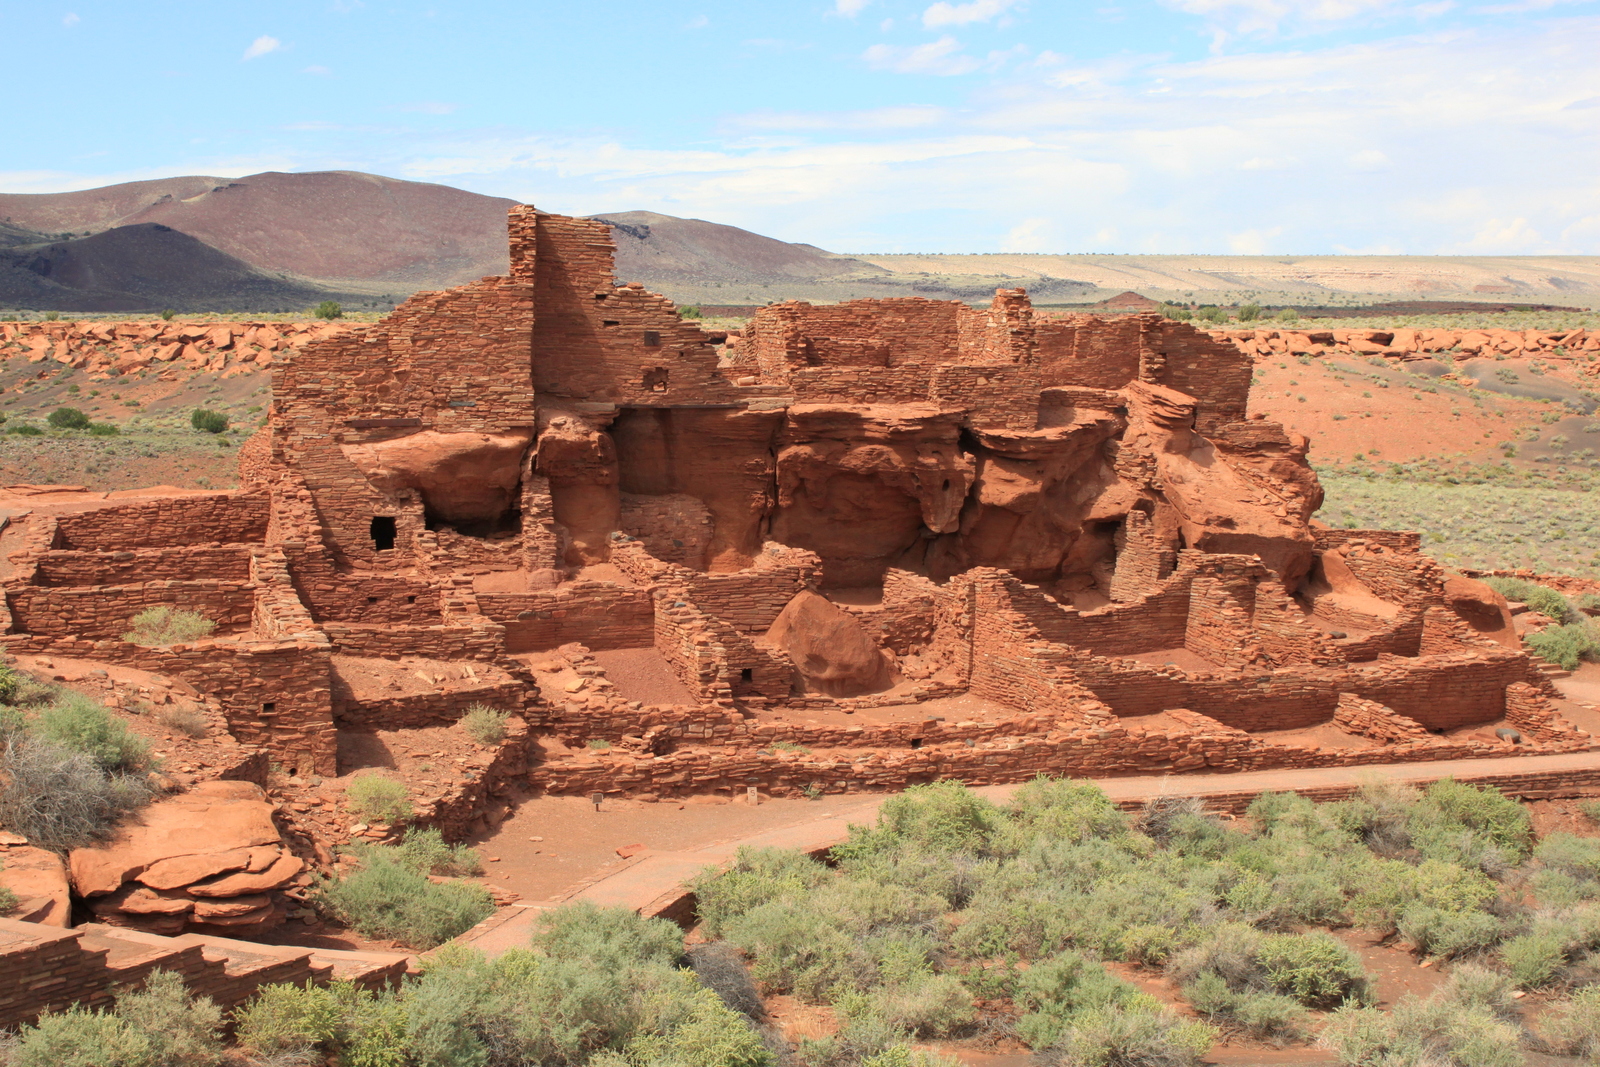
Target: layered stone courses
column 1071, row 519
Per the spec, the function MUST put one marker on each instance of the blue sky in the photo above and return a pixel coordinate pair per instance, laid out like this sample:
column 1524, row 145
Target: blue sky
column 1179, row 126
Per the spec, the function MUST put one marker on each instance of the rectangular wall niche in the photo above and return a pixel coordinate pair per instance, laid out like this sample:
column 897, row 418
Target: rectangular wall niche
column 383, row 532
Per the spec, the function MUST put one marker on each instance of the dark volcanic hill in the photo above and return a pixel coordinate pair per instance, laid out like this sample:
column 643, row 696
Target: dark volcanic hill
column 337, row 227
column 143, row 267
column 653, row 246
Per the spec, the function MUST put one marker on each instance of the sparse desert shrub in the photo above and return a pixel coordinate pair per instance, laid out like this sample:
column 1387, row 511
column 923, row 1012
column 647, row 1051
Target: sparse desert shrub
column 328, row 309
column 1289, row 315
column 389, row 899
column 10, row 684
column 1567, row 646
column 941, row 817
column 24, row 429
column 77, row 722
column 103, row 429
column 379, row 798
column 67, row 419
column 1448, row 934
column 1573, row 1028
column 756, row 877
column 1141, row 1035
column 59, row 798
column 1534, row 959
column 208, row 421
column 1316, row 969
column 484, row 724
column 1448, row 1029
column 164, row 625
column 8, row 899
column 186, row 721
column 1249, row 312
column 159, row 1026
column 425, row 851
column 308, row 1023
column 721, row 968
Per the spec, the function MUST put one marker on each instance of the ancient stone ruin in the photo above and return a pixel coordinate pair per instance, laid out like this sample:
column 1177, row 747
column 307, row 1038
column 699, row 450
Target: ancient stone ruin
column 853, row 546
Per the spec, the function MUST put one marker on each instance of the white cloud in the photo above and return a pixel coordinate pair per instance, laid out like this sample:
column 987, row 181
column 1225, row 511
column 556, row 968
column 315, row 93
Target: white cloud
column 261, row 46
column 1369, row 159
column 1030, row 235
column 944, row 13
column 943, row 57
column 316, row 70
column 1253, row 242
column 915, row 116
column 850, row 8
column 70, row 19
column 1269, row 18
column 1505, row 235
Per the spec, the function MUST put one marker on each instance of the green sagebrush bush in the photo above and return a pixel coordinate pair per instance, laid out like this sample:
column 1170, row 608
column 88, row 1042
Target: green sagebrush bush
column 159, row 1026
column 357, row 1027
column 68, row 419
column 1569, row 645
column 484, row 724
column 390, row 896
column 165, row 625
column 941, row 817
column 597, row 986
column 78, row 722
column 1466, row 1023
column 1573, row 1028
column 756, row 877
column 379, row 798
column 208, row 421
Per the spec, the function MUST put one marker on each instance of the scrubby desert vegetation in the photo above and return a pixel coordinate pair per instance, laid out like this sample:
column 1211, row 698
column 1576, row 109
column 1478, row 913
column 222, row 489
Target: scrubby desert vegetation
column 69, row 769
column 1487, row 526
column 1057, row 921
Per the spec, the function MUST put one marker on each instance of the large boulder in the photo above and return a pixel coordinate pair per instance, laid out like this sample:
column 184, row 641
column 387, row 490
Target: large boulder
column 210, row 857
column 1481, row 608
column 830, row 648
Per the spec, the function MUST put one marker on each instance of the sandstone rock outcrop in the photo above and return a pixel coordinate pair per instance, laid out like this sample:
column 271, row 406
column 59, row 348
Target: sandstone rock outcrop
column 207, row 858
column 38, row 878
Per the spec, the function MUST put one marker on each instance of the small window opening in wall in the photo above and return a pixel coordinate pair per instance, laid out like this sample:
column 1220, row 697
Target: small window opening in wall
column 611, row 322
column 747, row 675
column 655, row 379
column 372, row 600
column 652, row 338
column 947, row 484
column 382, row 530
column 268, row 709
column 916, row 742
column 411, row 600
column 601, row 296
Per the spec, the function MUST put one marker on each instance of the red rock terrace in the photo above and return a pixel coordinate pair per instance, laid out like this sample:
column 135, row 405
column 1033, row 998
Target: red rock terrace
column 851, row 547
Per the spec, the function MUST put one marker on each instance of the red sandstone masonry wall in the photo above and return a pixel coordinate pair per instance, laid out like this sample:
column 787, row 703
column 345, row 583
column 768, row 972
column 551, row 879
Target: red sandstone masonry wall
column 484, row 640
column 227, row 518
column 594, row 340
column 1088, row 350
column 1157, row 621
column 107, row 611
column 417, row 710
column 600, row 615
column 1442, row 692
column 229, row 563
column 1218, row 379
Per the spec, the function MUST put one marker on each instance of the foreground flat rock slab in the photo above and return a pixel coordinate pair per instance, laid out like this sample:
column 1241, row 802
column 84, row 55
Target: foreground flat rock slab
column 212, row 819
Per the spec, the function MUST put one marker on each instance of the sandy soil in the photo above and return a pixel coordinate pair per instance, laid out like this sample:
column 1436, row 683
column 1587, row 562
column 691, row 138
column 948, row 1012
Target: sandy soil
column 553, row 845
column 641, row 674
